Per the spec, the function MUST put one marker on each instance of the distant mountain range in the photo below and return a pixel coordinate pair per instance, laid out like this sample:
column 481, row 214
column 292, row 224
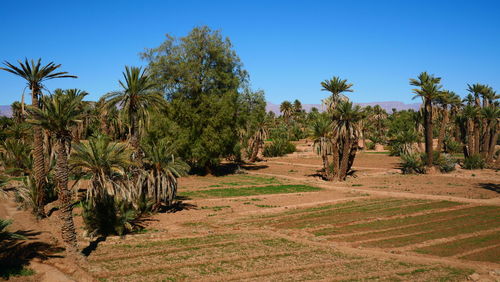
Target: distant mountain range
column 388, row 106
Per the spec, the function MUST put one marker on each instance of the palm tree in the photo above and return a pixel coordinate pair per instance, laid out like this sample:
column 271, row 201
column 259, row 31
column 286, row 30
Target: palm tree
column 444, row 100
column 257, row 140
column 136, row 99
column 477, row 90
column 161, row 172
column 286, row 110
column 346, row 119
column 320, row 130
column 470, row 114
column 106, row 161
column 429, row 89
column 490, row 114
column 35, row 75
column 337, row 87
column 59, row 114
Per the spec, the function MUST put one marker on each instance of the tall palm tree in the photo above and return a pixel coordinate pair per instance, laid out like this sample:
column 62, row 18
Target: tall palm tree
column 162, row 171
column 346, row 119
column 429, row 89
column 444, row 100
column 35, row 75
column 477, row 90
column 137, row 97
column 320, row 131
column 286, row 109
column 337, row 87
column 59, row 114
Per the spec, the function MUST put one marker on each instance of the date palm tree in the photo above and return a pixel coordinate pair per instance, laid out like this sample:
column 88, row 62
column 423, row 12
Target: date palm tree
column 137, row 97
column 444, row 100
column 320, row 132
column 60, row 112
column 429, row 89
column 162, row 169
column 346, row 118
column 337, row 87
column 35, row 75
column 286, row 109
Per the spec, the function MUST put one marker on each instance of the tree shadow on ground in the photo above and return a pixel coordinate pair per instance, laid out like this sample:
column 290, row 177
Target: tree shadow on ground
column 93, row 246
column 495, row 187
column 179, row 206
column 254, row 167
column 16, row 254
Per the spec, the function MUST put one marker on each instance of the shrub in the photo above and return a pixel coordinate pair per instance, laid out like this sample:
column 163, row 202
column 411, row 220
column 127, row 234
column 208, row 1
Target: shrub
column 412, row 163
column 474, row 162
column 109, row 216
column 278, row 148
column 452, row 146
column 445, row 162
column 370, row 145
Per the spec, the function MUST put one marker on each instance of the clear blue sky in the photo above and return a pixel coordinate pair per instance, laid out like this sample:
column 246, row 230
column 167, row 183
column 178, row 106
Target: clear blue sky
column 288, row 47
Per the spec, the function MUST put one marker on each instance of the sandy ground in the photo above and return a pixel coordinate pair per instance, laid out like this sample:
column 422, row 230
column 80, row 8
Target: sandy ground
column 377, row 177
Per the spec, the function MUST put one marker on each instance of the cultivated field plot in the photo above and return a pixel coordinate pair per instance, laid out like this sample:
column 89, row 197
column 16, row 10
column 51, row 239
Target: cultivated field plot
column 439, row 228
column 250, row 257
column 238, row 186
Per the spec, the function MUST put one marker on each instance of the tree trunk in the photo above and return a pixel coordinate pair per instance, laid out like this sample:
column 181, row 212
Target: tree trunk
column 335, row 162
column 134, row 138
column 255, row 149
column 470, row 137
column 428, row 131
column 442, row 130
column 485, row 140
column 493, row 142
column 68, row 231
column 477, row 135
column 38, row 160
column 345, row 159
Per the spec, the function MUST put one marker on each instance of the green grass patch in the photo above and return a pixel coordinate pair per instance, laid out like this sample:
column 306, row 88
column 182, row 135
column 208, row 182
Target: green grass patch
column 266, row 206
column 248, row 191
column 463, row 225
column 6, row 272
column 461, row 246
column 490, row 255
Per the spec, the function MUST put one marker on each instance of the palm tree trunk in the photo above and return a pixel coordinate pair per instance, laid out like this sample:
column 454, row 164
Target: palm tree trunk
column 68, row 231
column 442, row 130
column 335, row 162
column 477, row 138
column 493, row 142
column 255, row 149
column 134, row 137
column 38, row 160
column 428, row 131
column 345, row 159
column 470, row 137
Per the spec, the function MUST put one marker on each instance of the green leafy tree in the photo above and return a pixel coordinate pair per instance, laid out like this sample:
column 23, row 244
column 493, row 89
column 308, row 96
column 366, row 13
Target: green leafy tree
column 320, row 129
column 35, row 75
column 254, row 124
column 200, row 74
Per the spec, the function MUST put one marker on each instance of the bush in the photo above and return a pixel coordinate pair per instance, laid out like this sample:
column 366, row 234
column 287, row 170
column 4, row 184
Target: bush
column 109, row 216
column 370, row 145
column 412, row 163
column 452, row 146
column 474, row 162
column 445, row 162
column 278, row 148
